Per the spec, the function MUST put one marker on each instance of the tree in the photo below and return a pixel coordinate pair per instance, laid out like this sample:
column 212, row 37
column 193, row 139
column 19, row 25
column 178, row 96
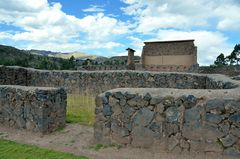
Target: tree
column 232, row 58
column 72, row 62
column 220, row 60
column 236, row 52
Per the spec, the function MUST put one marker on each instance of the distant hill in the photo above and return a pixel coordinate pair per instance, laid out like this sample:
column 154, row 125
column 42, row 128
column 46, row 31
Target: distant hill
column 77, row 55
column 42, row 52
column 11, row 56
column 42, row 59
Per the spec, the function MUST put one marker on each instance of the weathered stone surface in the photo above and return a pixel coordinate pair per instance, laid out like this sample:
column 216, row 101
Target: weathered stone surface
column 215, row 104
column 155, row 127
column 128, row 111
column 194, row 132
column 173, row 141
column 213, row 147
column 134, row 101
column 129, row 96
column 235, row 131
column 211, row 132
column 189, row 101
column 197, row 146
column 184, row 144
column 231, row 151
column 235, row 118
column 155, row 101
column 35, row 109
column 213, row 118
column 112, row 101
column 122, row 102
column 120, row 134
column 228, row 140
column 107, row 110
column 142, row 137
column 192, row 115
column 116, row 109
column 159, row 108
column 224, row 127
column 232, row 106
column 172, row 114
column 143, row 117
column 147, row 97
column 170, row 129
column 118, row 95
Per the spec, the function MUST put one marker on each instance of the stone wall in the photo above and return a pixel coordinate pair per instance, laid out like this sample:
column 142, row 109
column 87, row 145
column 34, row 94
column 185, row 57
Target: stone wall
column 169, row 55
column 226, row 70
column 36, row 109
column 172, row 68
column 103, row 67
column 184, row 47
column 172, row 120
column 95, row 82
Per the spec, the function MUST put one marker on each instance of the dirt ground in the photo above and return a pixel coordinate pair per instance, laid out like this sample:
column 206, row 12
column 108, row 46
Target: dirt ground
column 78, row 139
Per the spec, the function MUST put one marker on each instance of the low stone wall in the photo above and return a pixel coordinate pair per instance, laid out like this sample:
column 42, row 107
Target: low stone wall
column 175, row 120
column 95, row 82
column 104, row 67
column 36, row 109
column 172, row 68
column 226, row 70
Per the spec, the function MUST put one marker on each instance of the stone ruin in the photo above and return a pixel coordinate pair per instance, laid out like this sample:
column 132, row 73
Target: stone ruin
column 179, row 55
column 164, row 56
column 177, row 112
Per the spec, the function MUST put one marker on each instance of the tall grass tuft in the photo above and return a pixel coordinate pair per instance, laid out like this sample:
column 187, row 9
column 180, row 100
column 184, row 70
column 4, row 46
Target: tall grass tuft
column 80, row 109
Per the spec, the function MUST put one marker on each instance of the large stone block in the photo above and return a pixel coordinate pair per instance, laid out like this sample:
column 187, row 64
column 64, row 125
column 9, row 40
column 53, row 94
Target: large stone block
column 143, row 117
column 142, row 137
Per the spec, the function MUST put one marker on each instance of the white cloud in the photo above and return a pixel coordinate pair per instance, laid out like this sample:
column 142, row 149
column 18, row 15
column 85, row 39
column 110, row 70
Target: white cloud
column 152, row 15
column 136, row 44
column 47, row 24
column 229, row 17
column 5, row 35
column 94, row 8
column 101, row 27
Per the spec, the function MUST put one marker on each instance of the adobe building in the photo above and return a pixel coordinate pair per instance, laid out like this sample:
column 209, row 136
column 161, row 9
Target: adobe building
column 179, row 56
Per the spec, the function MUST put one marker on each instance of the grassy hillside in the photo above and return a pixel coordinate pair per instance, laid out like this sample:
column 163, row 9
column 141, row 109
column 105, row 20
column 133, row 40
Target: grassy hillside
column 10, row 56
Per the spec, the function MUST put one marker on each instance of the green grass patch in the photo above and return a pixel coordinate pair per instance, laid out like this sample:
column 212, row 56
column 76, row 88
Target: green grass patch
column 98, row 147
column 80, row 109
column 13, row 150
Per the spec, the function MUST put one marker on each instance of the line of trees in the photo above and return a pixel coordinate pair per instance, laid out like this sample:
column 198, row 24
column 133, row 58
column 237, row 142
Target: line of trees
column 10, row 56
column 232, row 59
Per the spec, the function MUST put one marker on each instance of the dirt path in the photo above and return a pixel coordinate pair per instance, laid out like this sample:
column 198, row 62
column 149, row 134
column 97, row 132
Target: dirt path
column 77, row 139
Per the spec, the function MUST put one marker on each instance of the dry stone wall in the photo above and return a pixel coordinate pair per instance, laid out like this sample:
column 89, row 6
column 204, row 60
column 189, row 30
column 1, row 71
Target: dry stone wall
column 176, row 111
column 103, row 67
column 36, row 109
column 173, row 120
column 95, row 82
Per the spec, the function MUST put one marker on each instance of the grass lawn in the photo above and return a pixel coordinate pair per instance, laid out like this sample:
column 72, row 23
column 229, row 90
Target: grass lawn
column 13, row 150
column 80, row 109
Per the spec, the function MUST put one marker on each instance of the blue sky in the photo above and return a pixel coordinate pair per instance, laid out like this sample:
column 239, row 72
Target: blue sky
column 108, row 27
